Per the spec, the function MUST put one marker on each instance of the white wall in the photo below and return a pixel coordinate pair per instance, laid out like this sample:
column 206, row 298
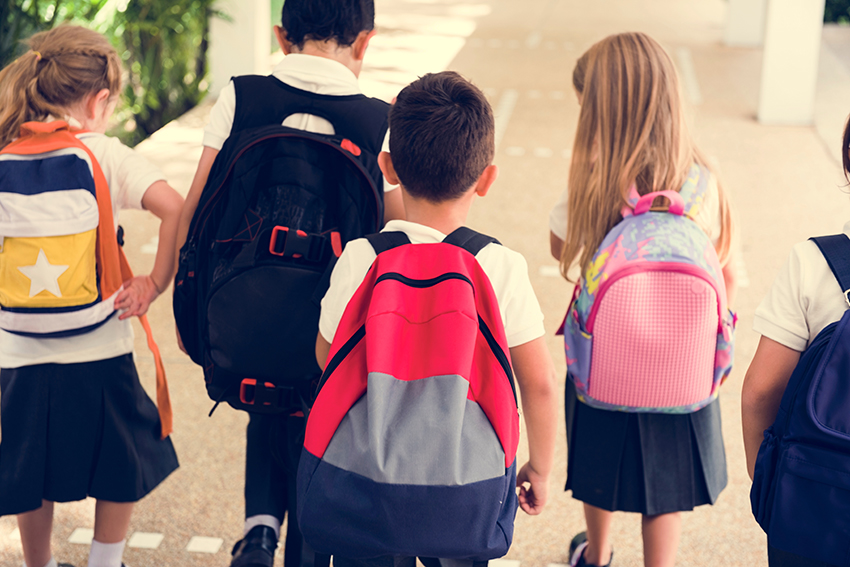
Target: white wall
column 239, row 46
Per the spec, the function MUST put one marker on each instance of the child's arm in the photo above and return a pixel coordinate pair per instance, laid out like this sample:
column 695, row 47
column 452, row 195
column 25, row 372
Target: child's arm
column 730, row 278
column 201, row 175
column 323, row 349
column 764, row 385
column 165, row 203
column 535, row 375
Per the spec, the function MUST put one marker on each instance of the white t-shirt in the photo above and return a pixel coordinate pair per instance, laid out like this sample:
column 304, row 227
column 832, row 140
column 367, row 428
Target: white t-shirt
column 129, row 175
column 708, row 217
column 805, row 298
column 507, row 270
column 306, row 72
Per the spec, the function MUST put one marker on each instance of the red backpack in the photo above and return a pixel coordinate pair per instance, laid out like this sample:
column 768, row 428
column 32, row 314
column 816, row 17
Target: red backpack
column 411, row 444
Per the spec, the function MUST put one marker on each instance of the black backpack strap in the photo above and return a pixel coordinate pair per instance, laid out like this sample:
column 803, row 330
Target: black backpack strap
column 836, row 250
column 383, row 241
column 471, row 241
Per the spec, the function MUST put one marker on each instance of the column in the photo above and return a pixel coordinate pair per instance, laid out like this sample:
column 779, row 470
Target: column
column 240, row 45
column 745, row 23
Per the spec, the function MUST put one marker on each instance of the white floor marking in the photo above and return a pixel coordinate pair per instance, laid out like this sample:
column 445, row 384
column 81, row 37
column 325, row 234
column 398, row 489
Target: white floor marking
column 569, row 45
column 15, row 535
column 689, row 75
column 550, row 45
column 558, row 95
column 533, row 40
column 515, row 151
column 513, row 44
column 490, row 92
column 505, row 563
column 152, row 246
column 503, row 112
column 534, row 94
column 494, row 43
column 543, row 152
column 143, row 540
column 567, row 154
column 199, row 544
column 550, row 271
column 558, row 565
column 476, row 42
column 82, row 536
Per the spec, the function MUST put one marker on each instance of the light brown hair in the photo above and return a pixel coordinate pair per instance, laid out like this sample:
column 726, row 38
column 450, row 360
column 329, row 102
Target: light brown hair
column 631, row 131
column 63, row 67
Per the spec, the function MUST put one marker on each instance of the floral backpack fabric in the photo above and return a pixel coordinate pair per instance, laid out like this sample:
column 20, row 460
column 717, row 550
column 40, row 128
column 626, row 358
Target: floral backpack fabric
column 648, row 329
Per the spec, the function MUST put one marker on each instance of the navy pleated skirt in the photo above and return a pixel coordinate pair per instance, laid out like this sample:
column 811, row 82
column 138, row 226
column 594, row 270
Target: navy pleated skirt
column 649, row 463
column 75, row 430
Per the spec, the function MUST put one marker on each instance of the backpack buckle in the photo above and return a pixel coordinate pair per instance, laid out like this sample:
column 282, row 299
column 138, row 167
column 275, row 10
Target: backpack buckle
column 252, row 393
column 296, row 244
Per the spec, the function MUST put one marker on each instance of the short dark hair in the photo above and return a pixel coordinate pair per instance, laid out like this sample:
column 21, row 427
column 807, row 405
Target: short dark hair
column 321, row 20
column 441, row 136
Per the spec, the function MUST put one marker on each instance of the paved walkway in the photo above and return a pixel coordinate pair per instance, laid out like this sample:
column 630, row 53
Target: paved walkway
column 786, row 184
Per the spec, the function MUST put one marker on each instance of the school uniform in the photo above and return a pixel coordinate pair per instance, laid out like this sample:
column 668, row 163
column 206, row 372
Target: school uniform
column 75, row 420
column 520, row 311
column 650, row 463
column 322, row 96
column 804, row 299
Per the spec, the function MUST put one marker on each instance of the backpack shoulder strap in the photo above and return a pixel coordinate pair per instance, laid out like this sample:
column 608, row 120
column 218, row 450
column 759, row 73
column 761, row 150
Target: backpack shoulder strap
column 836, row 250
column 383, row 241
column 471, row 241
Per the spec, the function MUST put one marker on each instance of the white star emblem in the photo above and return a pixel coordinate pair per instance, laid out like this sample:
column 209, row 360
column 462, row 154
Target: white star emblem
column 43, row 276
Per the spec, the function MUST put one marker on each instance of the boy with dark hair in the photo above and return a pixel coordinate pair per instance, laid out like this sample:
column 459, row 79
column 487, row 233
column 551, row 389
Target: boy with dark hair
column 442, row 147
column 313, row 88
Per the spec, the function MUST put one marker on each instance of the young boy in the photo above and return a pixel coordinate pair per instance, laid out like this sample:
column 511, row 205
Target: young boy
column 442, row 147
column 324, row 42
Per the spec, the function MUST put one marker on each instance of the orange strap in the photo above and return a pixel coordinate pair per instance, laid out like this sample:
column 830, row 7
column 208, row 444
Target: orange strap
column 163, row 400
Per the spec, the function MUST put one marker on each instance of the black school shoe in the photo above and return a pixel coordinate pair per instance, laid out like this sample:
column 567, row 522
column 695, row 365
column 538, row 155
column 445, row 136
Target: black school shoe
column 577, row 547
column 256, row 549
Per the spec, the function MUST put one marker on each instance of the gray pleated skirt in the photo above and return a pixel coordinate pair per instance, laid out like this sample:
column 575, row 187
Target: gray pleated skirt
column 644, row 462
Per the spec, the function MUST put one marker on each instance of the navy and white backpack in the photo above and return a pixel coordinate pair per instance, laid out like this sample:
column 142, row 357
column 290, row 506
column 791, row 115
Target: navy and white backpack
column 801, row 485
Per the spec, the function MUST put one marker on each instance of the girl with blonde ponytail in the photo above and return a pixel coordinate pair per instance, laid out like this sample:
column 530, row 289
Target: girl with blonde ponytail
column 75, row 419
column 632, row 136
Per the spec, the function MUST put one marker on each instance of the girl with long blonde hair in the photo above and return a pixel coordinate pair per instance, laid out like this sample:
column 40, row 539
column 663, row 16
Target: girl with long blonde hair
column 75, row 419
column 632, row 136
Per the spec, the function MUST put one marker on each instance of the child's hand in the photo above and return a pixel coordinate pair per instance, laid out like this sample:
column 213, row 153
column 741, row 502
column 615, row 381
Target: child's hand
column 137, row 296
column 534, row 497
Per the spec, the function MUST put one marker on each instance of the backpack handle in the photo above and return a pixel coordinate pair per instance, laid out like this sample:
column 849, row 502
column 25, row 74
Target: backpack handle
column 677, row 204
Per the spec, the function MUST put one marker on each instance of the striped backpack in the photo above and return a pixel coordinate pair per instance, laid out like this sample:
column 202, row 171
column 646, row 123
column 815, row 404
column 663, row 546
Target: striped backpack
column 411, row 444
column 648, row 329
column 61, row 266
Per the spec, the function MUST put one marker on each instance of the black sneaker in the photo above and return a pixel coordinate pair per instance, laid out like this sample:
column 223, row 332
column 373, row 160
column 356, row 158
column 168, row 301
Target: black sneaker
column 256, row 549
column 577, row 547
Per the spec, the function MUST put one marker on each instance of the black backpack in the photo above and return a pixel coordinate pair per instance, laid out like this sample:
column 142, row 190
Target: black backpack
column 277, row 208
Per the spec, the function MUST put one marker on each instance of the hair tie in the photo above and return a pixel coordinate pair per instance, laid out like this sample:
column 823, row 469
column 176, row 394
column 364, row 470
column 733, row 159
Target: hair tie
column 37, row 55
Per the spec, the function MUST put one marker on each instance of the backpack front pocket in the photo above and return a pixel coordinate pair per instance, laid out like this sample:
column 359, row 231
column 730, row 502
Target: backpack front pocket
column 49, row 271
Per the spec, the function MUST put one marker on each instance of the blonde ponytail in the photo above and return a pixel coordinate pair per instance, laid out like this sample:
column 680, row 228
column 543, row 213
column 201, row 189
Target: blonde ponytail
column 65, row 65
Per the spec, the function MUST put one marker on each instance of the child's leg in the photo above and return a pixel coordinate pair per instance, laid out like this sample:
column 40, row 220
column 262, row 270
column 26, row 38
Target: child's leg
column 598, row 550
column 111, row 522
column 661, row 539
column 36, row 528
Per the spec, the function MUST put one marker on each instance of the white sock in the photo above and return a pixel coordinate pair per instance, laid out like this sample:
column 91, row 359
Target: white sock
column 51, row 563
column 261, row 520
column 106, row 554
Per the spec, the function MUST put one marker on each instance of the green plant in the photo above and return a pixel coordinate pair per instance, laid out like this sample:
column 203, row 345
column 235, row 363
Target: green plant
column 165, row 53
column 19, row 19
column 837, row 11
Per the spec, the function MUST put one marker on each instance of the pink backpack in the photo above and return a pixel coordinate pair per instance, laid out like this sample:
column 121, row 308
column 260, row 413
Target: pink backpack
column 648, row 329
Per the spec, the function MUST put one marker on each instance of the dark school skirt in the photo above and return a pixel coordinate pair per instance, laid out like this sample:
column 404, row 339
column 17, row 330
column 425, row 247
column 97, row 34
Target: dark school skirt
column 75, row 430
column 644, row 462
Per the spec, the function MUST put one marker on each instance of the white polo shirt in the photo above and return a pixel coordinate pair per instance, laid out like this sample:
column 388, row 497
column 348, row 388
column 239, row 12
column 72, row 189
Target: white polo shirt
column 129, row 175
column 306, row 72
column 805, row 297
column 507, row 270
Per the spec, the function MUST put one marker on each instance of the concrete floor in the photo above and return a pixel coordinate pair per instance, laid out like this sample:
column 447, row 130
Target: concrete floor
column 786, row 184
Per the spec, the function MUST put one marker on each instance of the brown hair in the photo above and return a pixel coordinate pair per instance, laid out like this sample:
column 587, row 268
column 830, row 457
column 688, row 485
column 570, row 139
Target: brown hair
column 845, row 154
column 63, row 67
column 441, row 136
column 631, row 130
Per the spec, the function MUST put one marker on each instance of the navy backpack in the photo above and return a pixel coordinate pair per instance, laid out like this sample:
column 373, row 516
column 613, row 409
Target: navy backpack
column 801, row 486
